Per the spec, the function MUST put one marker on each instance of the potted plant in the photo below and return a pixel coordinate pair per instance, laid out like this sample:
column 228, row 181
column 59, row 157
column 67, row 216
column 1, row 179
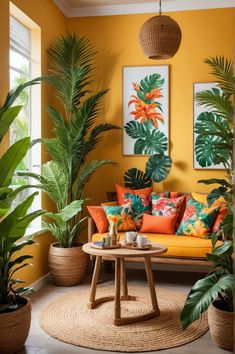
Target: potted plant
column 75, row 136
column 215, row 138
column 15, row 308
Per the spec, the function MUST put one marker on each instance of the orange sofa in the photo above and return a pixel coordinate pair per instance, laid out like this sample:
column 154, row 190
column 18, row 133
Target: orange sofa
column 181, row 249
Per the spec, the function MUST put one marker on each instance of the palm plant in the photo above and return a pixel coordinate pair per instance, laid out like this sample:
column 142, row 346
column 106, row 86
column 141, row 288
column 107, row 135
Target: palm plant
column 214, row 143
column 215, row 139
column 75, row 134
column 13, row 223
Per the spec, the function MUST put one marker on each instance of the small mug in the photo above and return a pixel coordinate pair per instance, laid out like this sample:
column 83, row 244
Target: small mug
column 130, row 236
column 142, row 241
column 107, row 240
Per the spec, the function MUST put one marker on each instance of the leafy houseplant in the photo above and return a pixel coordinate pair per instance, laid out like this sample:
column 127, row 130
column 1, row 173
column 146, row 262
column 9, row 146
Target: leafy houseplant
column 13, row 224
column 75, row 136
column 215, row 138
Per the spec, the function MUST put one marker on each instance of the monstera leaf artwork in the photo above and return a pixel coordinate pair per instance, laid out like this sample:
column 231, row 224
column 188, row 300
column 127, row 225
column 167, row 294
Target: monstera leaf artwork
column 136, row 179
column 145, row 110
column 158, row 167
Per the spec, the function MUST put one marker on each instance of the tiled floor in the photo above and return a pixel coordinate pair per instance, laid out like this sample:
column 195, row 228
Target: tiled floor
column 39, row 342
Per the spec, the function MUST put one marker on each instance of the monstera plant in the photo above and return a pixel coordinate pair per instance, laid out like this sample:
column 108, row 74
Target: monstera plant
column 76, row 134
column 214, row 145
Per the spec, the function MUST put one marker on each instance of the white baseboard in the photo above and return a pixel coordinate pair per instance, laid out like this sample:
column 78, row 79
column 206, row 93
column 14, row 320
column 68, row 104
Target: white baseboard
column 41, row 282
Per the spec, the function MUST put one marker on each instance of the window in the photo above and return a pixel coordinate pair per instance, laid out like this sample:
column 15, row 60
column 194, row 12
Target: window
column 25, row 64
column 20, row 72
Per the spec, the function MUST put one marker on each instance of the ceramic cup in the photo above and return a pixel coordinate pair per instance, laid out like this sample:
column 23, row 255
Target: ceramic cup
column 131, row 236
column 142, row 241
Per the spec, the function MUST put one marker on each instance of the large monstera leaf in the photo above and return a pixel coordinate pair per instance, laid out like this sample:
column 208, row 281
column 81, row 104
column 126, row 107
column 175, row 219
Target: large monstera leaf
column 155, row 142
column 149, row 140
column 137, row 130
column 209, row 150
column 214, row 141
column 136, row 179
column 158, row 167
column 151, row 82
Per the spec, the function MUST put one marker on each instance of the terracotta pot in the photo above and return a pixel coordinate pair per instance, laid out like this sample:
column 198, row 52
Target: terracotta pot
column 67, row 265
column 221, row 327
column 14, row 328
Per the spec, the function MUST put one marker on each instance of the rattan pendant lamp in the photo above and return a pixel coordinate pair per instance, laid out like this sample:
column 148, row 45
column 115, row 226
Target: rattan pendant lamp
column 160, row 36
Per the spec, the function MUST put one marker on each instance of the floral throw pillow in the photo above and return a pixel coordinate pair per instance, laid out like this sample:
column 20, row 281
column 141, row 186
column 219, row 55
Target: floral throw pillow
column 197, row 220
column 122, row 216
column 162, row 206
column 140, row 205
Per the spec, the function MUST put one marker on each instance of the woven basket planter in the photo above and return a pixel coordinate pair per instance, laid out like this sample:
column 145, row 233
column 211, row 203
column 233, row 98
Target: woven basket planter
column 14, row 328
column 67, row 265
column 221, row 327
column 160, row 37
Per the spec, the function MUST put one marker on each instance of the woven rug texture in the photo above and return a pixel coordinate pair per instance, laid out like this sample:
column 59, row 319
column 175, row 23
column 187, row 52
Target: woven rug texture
column 69, row 320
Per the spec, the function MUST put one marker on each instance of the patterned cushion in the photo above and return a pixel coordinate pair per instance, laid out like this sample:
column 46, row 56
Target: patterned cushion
column 140, row 205
column 121, row 191
column 221, row 202
column 162, row 206
column 197, row 220
column 120, row 215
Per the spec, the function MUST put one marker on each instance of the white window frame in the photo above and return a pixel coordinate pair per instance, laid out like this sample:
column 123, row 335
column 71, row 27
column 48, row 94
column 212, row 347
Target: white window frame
column 35, row 101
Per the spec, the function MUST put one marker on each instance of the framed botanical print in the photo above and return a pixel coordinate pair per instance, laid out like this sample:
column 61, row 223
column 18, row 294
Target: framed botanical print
column 145, row 110
column 201, row 149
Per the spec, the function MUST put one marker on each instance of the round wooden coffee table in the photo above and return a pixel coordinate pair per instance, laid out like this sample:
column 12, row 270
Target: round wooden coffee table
column 119, row 255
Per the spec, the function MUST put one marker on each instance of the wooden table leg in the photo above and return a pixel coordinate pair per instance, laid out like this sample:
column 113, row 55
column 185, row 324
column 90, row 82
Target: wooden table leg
column 123, row 279
column 149, row 273
column 95, row 277
column 117, row 305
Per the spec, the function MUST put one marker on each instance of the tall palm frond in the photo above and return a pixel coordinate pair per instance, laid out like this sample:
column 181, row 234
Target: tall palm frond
column 223, row 70
column 71, row 57
column 218, row 103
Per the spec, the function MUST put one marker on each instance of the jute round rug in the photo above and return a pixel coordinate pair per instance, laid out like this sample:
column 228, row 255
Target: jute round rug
column 68, row 319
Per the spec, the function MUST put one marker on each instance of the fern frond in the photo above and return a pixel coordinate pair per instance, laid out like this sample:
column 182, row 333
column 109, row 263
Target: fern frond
column 217, row 103
column 223, row 70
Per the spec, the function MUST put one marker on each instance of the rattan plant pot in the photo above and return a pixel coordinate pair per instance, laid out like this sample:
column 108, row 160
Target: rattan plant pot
column 221, row 327
column 67, row 265
column 14, row 328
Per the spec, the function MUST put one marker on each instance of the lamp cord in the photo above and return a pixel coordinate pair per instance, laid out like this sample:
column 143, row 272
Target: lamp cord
column 160, row 7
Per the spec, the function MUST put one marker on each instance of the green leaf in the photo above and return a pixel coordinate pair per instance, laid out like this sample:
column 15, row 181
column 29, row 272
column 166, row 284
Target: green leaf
column 207, row 152
column 14, row 224
column 136, row 179
column 7, row 118
column 10, row 160
column 222, row 182
column 71, row 210
column 203, row 293
column 215, row 194
column 151, row 82
column 223, row 70
column 155, row 142
column 158, row 167
column 137, row 130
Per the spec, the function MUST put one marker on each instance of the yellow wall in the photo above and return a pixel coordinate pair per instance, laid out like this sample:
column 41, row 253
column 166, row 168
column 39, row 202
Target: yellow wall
column 52, row 22
column 205, row 33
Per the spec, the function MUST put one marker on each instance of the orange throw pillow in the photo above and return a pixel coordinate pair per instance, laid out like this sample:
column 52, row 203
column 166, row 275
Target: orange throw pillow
column 158, row 224
column 121, row 191
column 98, row 215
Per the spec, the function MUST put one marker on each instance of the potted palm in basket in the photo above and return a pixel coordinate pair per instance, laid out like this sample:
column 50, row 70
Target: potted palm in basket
column 75, row 136
column 15, row 308
column 215, row 141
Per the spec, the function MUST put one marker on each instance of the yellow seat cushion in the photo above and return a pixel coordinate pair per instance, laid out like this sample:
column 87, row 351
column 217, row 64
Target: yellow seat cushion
column 178, row 246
